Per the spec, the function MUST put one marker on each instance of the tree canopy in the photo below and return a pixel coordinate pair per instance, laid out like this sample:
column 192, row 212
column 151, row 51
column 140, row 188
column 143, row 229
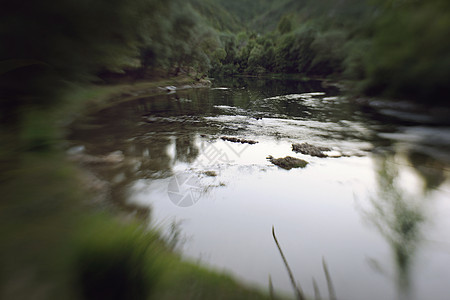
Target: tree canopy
column 393, row 48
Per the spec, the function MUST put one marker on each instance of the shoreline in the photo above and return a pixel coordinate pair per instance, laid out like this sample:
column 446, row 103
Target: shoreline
column 100, row 96
column 52, row 224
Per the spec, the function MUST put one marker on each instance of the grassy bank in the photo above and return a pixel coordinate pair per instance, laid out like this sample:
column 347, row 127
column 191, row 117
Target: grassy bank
column 57, row 244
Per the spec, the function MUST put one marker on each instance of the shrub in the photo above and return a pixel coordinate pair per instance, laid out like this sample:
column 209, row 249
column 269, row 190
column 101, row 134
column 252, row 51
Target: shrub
column 115, row 261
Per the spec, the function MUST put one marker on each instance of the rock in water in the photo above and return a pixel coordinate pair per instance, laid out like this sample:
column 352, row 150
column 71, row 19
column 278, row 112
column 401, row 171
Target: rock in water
column 309, row 149
column 288, row 162
column 210, row 173
column 111, row 158
column 238, row 140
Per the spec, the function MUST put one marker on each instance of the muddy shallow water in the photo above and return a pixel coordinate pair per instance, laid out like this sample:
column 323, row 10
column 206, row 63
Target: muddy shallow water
column 377, row 208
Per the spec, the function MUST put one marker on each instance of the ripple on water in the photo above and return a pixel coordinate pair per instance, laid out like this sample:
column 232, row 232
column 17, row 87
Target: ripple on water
column 326, row 209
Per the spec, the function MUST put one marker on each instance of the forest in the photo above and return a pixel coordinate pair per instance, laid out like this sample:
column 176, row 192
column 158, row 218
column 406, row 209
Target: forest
column 387, row 48
column 56, row 54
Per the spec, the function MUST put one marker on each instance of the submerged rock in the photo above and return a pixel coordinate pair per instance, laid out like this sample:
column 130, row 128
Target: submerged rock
column 76, row 150
column 309, row 149
column 210, row 173
column 111, row 158
column 238, row 140
column 288, row 162
column 171, row 88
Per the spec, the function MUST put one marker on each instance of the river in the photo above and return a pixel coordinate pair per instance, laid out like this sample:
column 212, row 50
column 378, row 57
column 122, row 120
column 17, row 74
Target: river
column 376, row 209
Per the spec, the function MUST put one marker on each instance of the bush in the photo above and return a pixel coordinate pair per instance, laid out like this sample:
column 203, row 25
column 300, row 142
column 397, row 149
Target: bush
column 328, row 48
column 356, row 60
column 294, row 53
column 411, row 53
column 115, row 261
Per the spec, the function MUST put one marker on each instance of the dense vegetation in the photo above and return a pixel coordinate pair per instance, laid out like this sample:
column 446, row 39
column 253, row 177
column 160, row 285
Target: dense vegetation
column 394, row 48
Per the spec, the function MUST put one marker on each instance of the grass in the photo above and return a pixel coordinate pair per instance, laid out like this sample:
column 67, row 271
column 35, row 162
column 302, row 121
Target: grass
column 114, row 260
column 85, row 99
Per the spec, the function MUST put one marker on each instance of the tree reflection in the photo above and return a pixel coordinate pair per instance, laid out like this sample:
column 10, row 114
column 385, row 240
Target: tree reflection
column 399, row 218
column 431, row 170
column 186, row 149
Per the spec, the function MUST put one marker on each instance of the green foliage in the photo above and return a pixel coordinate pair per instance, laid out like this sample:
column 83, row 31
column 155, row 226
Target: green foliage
column 75, row 38
column 285, row 25
column 256, row 60
column 67, row 40
column 213, row 13
column 179, row 41
column 294, row 53
column 183, row 280
column 356, row 58
column 393, row 45
column 328, row 13
column 51, row 43
column 115, row 261
column 329, row 50
column 398, row 49
column 410, row 57
column 246, row 10
column 229, row 44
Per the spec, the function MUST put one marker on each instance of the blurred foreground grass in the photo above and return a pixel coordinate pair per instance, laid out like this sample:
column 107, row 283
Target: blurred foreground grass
column 57, row 244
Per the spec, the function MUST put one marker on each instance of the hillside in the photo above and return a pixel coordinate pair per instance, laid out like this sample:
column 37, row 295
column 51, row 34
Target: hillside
column 220, row 17
column 303, row 11
column 247, row 10
column 263, row 15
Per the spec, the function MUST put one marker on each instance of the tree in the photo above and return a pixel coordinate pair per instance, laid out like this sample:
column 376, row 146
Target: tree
column 285, row 25
column 192, row 42
column 255, row 59
column 293, row 52
column 329, row 50
column 70, row 40
column 410, row 57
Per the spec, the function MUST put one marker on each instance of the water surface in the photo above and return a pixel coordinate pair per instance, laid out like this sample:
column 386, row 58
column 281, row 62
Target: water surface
column 377, row 210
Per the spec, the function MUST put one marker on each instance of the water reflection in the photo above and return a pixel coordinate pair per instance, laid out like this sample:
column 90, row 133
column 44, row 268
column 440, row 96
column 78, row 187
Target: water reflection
column 399, row 213
column 431, row 170
column 186, row 148
column 154, row 134
column 162, row 137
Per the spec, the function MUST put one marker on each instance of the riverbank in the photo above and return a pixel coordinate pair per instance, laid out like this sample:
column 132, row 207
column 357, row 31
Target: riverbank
column 56, row 241
column 85, row 99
